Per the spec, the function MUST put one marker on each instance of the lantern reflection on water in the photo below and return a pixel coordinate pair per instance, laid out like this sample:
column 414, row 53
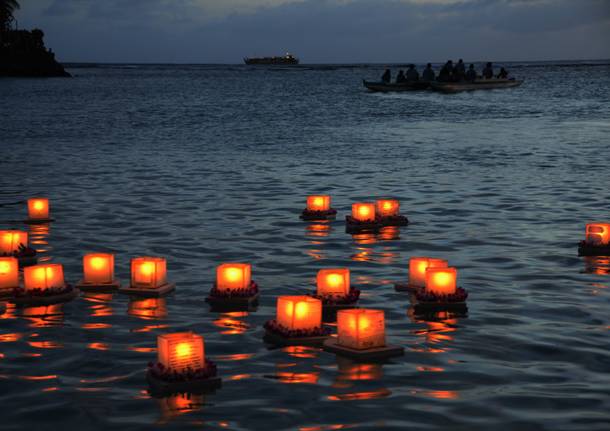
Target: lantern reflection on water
column 9, row 273
column 147, row 308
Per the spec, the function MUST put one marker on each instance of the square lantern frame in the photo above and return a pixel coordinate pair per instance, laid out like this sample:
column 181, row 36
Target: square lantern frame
column 390, row 220
column 408, row 286
column 237, row 300
column 98, row 287
column 313, row 215
column 48, row 219
column 25, row 297
column 277, row 339
column 588, row 249
column 147, row 292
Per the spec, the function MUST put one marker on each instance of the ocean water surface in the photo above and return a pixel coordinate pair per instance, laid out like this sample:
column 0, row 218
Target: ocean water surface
column 208, row 164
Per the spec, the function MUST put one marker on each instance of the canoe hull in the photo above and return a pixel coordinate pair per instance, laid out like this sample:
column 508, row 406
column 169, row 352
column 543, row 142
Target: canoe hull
column 382, row 87
column 483, row 84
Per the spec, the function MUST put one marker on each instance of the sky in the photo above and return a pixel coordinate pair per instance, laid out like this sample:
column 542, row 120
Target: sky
column 320, row 31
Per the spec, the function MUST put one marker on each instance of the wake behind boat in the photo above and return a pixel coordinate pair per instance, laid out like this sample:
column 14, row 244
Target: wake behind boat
column 477, row 84
column 386, row 87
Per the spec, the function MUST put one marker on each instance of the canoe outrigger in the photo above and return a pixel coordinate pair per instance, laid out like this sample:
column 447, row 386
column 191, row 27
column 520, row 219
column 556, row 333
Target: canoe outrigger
column 388, row 87
column 478, row 84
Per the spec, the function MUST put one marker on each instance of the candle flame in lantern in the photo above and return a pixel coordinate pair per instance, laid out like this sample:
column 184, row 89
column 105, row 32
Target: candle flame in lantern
column 183, row 350
column 98, row 263
column 147, row 268
column 334, row 280
column 364, row 211
column 233, row 274
column 5, row 267
column 38, row 205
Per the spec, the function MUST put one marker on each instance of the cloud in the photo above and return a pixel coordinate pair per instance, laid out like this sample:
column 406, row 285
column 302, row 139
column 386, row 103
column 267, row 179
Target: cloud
column 322, row 30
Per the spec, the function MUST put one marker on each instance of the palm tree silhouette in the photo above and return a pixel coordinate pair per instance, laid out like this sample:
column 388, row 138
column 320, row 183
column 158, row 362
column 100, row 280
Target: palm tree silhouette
column 7, row 8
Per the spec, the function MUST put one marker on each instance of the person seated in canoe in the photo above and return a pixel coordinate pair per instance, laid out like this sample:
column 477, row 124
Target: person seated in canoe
column 503, row 74
column 400, row 78
column 428, row 73
column 446, row 72
column 471, row 74
column 488, row 71
column 412, row 73
column 460, row 70
column 387, row 76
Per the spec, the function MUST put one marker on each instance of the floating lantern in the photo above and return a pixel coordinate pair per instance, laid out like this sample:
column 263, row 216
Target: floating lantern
column 333, row 289
column 363, row 212
column 318, row 208
column 388, row 212
column 441, row 281
column 597, row 240
column 9, row 273
column 98, row 273
column 361, row 334
column 234, row 288
column 440, row 291
column 333, row 282
column 298, row 321
column 148, row 277
column 11, row 241
column 181, row 364
column 417, row 272
column 44, row 284
column 38, row 210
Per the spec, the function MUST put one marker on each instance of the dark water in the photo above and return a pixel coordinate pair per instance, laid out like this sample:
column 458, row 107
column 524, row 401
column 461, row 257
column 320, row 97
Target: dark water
column 211, row 164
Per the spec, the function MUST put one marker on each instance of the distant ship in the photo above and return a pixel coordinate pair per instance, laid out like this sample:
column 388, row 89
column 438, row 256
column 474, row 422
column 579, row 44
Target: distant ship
column 286, row 59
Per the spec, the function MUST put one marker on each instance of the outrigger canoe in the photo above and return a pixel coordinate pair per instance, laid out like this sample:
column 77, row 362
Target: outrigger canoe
column 479, row 84
column 388, row 87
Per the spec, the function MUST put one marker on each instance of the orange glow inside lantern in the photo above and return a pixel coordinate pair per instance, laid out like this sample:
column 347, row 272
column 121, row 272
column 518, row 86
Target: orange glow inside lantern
column 43, row 277
column 148, row 272
column 232, row 276
column 598, row 233
column 299, row 312
column 10, row 240
column 181, row 351
column 363, row 211
column 388, row 207
column 9, row 272
column 98, row 268
column 38, row 208
column 318, row 203
column 361, row 328
column 418, row 267
column 441, row 281
column 333, row 282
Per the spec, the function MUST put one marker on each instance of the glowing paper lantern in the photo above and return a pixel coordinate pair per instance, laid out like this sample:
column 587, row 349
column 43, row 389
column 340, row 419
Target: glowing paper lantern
column 148, row 272
column 333, row 282
column 9, row 272
column 418, row 267
column 441, row 281
column 43, row 277
column 299, row 312
column 597, row 233
column 181, row 351
column 38, row 208
column 98, row 268
column 10, row 240
column 360, row 328
column 233, row 276
column 318, row 203
column 388, row 207
column 363, row 211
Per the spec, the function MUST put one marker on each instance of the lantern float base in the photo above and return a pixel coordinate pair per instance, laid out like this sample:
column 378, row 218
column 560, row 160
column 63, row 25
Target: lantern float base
column 65, row 295
column 149, row 293
column 406, row 287
column 394, row 221
column 99, row 287
column 230, row 303
column 353, row 225
column 318, row 215
column 585, row 249
column 281, row 336
column 195, row 385
column 38, row 220
column 377, row 353
column 332, row 304
column 424, row 301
